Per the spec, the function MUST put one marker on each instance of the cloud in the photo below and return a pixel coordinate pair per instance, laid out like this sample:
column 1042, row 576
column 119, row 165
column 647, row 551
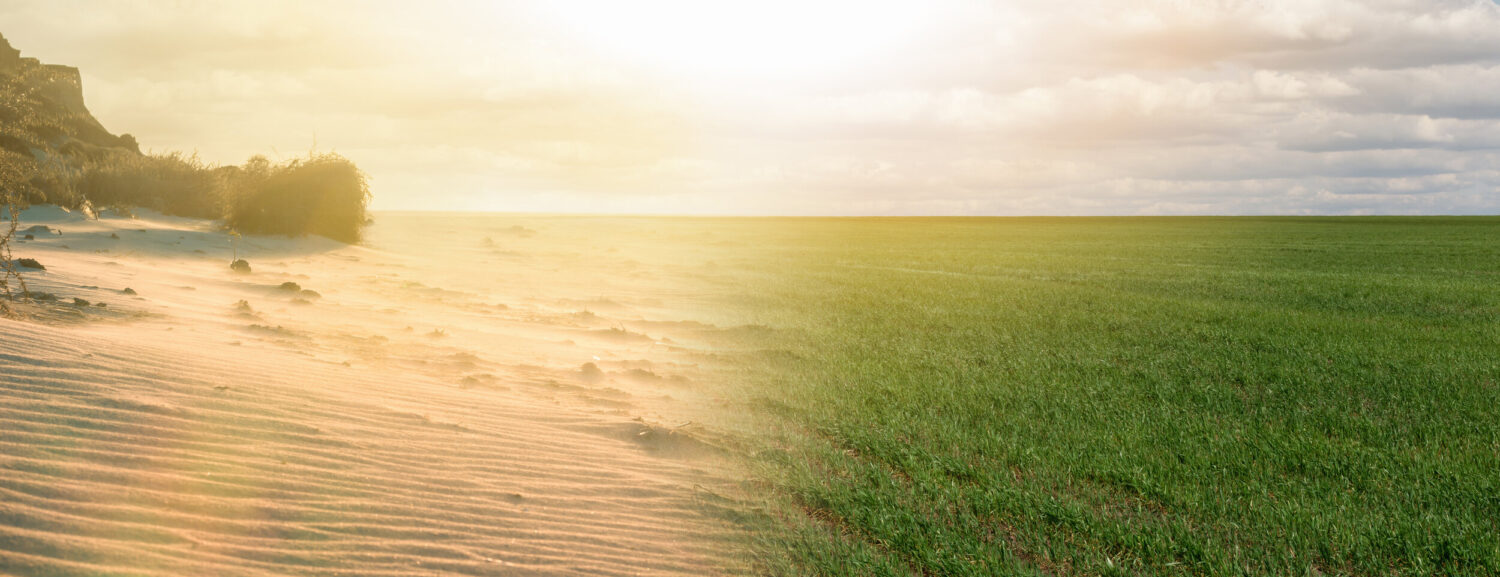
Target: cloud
column 1464, row 91
column 1026, row 107
column 1342, row 131
column 1277, row 34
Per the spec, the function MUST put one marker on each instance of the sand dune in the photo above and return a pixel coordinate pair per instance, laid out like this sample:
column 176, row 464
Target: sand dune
column 428, row 411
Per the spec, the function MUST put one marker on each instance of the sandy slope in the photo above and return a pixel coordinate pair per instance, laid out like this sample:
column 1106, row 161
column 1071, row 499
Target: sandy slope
column 429, row 411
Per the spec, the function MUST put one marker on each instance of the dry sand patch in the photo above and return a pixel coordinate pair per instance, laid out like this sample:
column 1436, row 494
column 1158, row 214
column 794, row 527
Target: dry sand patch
column 210, row 422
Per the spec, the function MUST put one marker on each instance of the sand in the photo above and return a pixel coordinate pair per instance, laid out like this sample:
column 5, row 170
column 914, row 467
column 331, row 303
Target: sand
column 458, row 395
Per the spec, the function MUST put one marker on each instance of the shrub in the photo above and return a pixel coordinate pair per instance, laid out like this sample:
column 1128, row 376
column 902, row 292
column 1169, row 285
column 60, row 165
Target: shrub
column 323, row 194
column 173, row 183
column 55, row 181
column 15, row 175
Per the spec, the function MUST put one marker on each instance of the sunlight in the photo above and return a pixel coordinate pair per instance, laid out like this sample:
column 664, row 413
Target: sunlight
column 673, row 288
column 744, row 39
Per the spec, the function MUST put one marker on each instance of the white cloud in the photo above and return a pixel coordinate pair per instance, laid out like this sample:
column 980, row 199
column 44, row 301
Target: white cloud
column 1026, row 107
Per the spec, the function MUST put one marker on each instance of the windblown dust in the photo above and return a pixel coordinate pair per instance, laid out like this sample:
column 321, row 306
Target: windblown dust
column 485, row 395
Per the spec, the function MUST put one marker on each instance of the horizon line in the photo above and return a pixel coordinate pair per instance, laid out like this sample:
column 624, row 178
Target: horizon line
column 918, row 216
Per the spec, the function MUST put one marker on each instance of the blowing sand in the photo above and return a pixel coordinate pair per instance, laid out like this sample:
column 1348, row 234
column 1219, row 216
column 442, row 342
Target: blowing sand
column 471, row 395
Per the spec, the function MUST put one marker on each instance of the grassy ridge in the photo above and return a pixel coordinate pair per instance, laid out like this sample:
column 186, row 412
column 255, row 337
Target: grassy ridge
column 1131, row 396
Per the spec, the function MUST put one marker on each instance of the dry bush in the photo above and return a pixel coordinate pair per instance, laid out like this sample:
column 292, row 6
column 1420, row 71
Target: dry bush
column 173, row 183
column 55, row 181
column 15, row 175
column 323, row 194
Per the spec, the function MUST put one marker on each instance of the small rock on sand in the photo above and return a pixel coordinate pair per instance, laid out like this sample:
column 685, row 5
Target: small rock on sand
column 128, row 291
column 240, row 265
column 41, row 229
column 80, row 302
column 30, row 263
column 290, row 286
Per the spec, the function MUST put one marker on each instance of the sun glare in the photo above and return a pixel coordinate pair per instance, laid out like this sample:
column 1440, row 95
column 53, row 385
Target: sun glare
column 739, row 39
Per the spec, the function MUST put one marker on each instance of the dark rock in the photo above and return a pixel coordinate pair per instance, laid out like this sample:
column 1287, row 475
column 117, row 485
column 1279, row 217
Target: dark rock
column 128, row 291
column 42, row 296
column 101, row 305
column 114, row 236
column 80, row 302
column 30, row 263
column 311, row 294
column 291, row 286
column 29, row 237
column 240, row 266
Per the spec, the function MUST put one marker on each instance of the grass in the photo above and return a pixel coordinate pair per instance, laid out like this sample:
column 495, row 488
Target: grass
column 1132, row 396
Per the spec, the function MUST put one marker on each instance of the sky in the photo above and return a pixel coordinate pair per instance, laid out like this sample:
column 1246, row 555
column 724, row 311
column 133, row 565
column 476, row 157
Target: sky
column 935, row 107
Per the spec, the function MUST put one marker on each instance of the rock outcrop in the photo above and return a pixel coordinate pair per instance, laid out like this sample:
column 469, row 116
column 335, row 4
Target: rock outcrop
column 42, row 110
column 10, row 58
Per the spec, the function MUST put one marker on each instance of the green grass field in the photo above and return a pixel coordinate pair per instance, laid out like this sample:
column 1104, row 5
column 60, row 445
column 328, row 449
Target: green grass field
column 1127, row 396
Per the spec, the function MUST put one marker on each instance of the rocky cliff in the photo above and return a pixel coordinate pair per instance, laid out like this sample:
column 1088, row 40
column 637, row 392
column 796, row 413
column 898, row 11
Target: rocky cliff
column 42, row 113
column 10, row 58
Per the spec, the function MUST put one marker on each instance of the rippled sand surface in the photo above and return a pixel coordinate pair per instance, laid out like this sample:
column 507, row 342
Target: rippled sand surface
column 486, row 395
